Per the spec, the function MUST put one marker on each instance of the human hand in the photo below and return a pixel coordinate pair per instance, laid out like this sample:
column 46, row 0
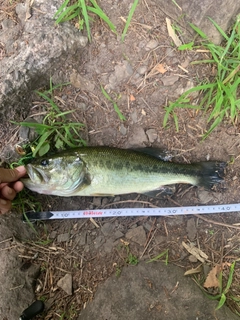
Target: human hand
column 10, row 186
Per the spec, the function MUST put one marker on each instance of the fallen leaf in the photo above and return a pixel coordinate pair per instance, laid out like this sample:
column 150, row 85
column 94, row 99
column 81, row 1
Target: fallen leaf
column 199, row 254
column 194, row 270
column 143, row 112
column 172, row 33
column 132, row 98
column 212, row 280
column 160, row 68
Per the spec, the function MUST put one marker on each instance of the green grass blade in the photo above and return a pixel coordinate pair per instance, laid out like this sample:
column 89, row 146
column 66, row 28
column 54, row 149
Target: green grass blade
column 85, row 16
column 219, row 29
column 200, row 32
column 62, row 7
column 131, row 12
column 68, row 11
column 230, row 277
column 222, row 301
column 120, row 115
column 45, row 97
column 97, row 10
column 106, row 94
column 42, row 141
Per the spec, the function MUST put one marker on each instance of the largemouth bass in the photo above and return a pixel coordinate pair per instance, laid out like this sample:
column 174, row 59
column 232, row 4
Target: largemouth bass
column 105, row 171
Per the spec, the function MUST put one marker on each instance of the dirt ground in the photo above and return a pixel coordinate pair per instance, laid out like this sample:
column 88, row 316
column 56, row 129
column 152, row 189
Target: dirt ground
column 142, row 74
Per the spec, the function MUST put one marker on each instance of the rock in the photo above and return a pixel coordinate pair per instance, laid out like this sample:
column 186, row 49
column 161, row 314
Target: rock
column 108, row 245
column 65, row 284
column 37, row 53
column 221, row 11
column 121, row 73
column 81, row 239
column 192, row 259
column 152, row 135
column 134, row 116
column 169, row 80
column 78, row 81
column 138, row 294
column 16, row 277
column 204, row 196
column 142, row 70
column 123, row 130
column 97, row 201
column 191, row 229
column 137, row 235
column 152, row 44
column 117, row 234
column 160, row 239
column 138, row 138
column 107, row 229
column 64, row 237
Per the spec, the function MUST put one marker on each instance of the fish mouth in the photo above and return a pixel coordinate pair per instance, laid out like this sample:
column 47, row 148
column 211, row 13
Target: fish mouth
column 37, row 175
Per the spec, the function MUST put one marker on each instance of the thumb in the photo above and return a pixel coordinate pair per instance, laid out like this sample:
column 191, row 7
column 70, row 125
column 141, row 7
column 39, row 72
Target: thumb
column 11, row 175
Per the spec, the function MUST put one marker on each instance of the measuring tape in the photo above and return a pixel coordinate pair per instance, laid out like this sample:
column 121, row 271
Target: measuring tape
column 129, row 212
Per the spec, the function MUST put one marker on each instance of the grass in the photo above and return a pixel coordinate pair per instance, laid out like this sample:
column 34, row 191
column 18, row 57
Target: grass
column 115, row 106
column 80, row 10
column 56, row 132
column 129, row 18
column 159, row 256
column 220, row 98
column 223, row 291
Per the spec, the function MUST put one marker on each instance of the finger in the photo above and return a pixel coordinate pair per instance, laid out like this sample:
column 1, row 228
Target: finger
column 5, row 205
column 8, row 193
column 18, row 186
column 10, row 175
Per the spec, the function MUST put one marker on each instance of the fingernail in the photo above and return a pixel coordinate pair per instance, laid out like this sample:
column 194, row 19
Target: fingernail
column 3, row 202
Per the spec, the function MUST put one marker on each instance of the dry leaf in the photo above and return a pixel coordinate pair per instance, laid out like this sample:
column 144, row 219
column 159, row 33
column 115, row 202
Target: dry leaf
column 160, row 68
column 194, row 270
column 124, row 242
column 199, row 254
column 132, row 98
column 143, row 112
column 172, row 33
column 212, row 280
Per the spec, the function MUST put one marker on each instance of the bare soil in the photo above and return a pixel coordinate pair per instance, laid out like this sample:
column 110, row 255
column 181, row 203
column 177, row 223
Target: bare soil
column 130, row 72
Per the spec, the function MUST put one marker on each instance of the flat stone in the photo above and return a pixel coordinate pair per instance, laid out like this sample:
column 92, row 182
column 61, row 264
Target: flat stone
column 97, row 201
column 140, row 293
column 107, row 229
column 78, row 81
column 123, row 130
column 152, row 44
column 191, row 229
column 152, row 135
column 118, row 234
column 138, row 138
column 64, row 237
column 169, row 80
column 65, row 284
column 137, row 235
column 204, row 196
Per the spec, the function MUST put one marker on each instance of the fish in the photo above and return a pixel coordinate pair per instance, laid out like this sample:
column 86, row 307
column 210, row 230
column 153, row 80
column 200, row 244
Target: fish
column 108, row 171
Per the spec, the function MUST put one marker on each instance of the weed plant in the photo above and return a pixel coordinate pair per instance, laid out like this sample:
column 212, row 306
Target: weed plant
column 220, row 98
column 56, row 132
column 80, row 10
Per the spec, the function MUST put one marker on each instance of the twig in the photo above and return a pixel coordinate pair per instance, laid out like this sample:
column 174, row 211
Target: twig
column 217, row 223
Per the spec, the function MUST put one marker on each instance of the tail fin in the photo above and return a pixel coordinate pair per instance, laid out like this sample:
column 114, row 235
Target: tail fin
column 211, row 173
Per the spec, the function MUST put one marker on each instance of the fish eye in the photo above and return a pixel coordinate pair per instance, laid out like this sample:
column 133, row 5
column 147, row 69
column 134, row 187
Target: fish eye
column 44, row 162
